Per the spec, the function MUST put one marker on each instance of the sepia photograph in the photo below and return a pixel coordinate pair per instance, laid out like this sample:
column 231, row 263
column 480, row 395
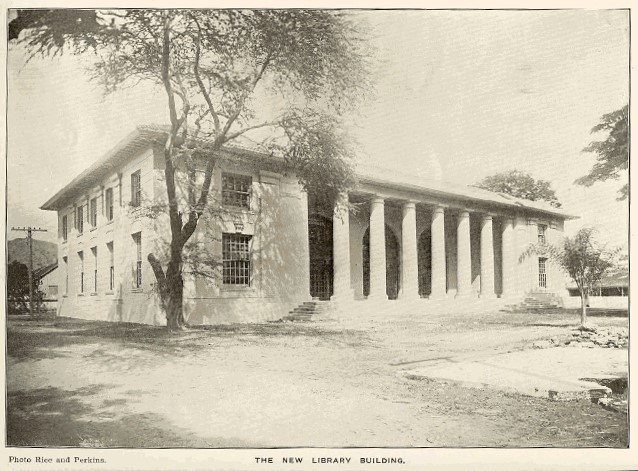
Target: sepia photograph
column 361, row 230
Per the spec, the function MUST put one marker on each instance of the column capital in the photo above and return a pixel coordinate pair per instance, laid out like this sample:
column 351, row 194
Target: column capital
column 438, row 209
column 377, row 200
column 409, row 204
column 486, row 217
column 463, row 213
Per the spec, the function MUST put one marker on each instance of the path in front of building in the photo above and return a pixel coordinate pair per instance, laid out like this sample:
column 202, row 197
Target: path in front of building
column 332, row 384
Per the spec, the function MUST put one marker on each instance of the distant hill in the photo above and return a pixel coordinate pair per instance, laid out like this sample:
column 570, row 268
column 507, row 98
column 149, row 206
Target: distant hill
column 44, row 253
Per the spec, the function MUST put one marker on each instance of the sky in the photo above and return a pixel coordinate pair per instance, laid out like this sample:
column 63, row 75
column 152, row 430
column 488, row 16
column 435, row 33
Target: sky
column 459, row 95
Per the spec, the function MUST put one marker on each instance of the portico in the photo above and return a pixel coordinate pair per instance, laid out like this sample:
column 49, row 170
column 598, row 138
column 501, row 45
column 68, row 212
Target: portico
column 447, row 248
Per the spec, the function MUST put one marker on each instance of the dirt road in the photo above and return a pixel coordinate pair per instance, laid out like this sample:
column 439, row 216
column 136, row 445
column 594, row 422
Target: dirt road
column 77, row 383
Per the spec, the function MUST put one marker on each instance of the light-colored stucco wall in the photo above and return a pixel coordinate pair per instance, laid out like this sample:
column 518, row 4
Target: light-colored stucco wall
column 124, row 302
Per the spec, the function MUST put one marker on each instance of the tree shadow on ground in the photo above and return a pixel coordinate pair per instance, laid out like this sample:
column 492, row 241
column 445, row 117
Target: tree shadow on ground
column 54, row 417
column 26, row 341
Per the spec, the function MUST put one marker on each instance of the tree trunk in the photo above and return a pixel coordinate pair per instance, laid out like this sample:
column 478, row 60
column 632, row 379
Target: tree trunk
column 174, row 297
column 583, row 309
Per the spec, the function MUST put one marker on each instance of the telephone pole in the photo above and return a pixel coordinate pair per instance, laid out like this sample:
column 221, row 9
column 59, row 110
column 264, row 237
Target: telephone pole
column 30, row 230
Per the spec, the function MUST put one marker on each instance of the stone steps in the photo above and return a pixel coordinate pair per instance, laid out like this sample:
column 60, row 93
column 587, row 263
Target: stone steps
column 541, row 300
column 307, row 310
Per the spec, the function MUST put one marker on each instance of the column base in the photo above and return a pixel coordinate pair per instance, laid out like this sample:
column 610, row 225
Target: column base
column 437, row 296
column 377, row 297
column 487, row 296
column 469, row 295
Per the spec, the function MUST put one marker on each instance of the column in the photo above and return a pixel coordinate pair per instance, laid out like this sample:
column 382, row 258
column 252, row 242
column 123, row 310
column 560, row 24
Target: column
column 377, row 250
column 463, row 255
column 341, row 254
column 487, row 258
column 409, row 256
column 509, row 259
column 439, row 275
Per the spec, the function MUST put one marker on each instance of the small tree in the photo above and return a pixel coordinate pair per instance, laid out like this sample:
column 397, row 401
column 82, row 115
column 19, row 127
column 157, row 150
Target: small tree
column 612, row 153
column 520, row 185
column 582, row 258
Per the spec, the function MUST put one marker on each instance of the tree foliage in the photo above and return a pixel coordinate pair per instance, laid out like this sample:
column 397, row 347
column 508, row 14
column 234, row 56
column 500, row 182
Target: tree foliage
column 18, row 287
column 612, row 154
column 282, row 79
column 520, row 185
column 582, row 258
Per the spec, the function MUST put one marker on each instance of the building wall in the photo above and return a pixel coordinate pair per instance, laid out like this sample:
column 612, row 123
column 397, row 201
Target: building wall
column 124, row 302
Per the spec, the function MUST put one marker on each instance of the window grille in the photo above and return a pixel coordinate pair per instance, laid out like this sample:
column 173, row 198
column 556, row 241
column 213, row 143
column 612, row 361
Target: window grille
column 93, row 212
column 236, row 259
column 542, row 273
column 542, row 230
column 137, row 282
column 80, row 219
column 136, row 188
column 108, row 196
column 236, row 190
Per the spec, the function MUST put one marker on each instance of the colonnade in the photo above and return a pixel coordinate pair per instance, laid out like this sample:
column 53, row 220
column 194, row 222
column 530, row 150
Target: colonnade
column 409, row 253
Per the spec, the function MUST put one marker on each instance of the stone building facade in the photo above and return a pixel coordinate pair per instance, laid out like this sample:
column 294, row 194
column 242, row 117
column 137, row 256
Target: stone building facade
column 400, row 238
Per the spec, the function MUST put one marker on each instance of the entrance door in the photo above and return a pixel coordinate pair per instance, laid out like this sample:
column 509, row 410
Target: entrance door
column 320, row 245
column 392, row 264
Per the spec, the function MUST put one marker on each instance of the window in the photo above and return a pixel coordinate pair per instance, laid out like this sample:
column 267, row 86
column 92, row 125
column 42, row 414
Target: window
column 80, row 220
column 542, row 229
column 94, row 252
column 236, row 190
column 136, row 188
column 108, row 196
column 93, row 212
column 236, row 259
column 137, row 270
column 542, row 272
column 109, row 246
column 66, row 274
column 65, row 228
column 81, row 257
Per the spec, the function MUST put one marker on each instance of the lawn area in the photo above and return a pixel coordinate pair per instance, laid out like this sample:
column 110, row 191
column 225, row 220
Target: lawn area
column 319, row 384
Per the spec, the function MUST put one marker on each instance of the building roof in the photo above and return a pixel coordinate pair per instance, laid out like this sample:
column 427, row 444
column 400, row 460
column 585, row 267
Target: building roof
column 44, row 271
column 612, row 280
column 145, row 135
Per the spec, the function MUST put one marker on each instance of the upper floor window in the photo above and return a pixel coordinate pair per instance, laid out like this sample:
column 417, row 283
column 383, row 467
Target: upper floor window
column 93, row 212
column 108, row 204
column 542, row 230
column 65, row 228
column 136, row 188
column 236, row 190
column 236, row 259
column 79, row 220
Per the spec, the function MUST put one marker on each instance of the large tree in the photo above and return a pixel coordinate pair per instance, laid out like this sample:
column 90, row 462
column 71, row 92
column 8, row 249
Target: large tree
column 226, row 74
column 520, row 185
column 584, row 259
column 612, row 154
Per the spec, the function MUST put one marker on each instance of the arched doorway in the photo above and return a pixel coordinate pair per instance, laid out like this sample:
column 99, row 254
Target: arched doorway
column 320, row 246
column 392, row 264
column 424, row 255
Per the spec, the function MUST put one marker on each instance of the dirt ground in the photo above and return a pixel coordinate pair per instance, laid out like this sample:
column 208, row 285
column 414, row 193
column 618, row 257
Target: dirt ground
column 320, row 384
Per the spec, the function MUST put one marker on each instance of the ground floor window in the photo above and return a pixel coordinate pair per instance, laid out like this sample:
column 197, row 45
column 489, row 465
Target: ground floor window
column 542, row 272
column 236, row 259
column 137, row 269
